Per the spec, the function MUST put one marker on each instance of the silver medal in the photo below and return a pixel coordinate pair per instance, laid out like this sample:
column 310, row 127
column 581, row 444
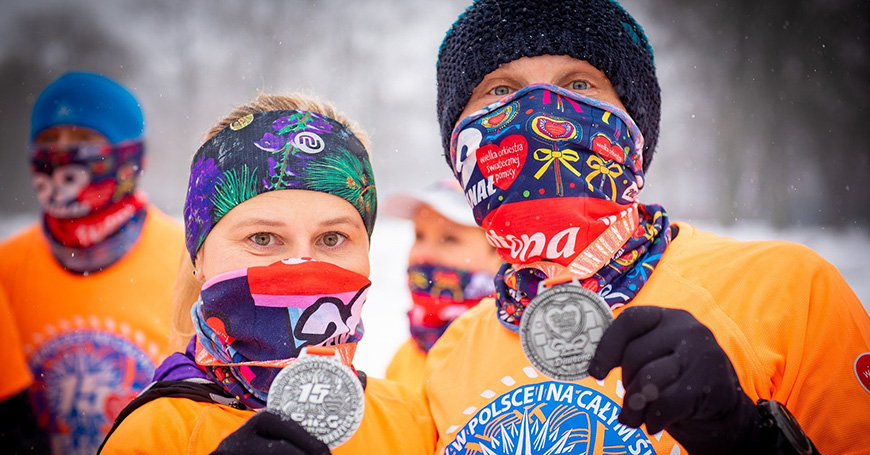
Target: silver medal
column 322, row 395
column 561, row 328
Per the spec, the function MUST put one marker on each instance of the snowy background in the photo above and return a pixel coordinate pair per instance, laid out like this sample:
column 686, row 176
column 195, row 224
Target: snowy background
column 384, row 313
column 388, row 301
column 763, row 106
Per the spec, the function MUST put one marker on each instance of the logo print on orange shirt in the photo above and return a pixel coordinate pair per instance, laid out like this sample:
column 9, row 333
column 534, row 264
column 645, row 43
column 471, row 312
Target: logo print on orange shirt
column 862, row 370
column 82, row 381
column 549, row 418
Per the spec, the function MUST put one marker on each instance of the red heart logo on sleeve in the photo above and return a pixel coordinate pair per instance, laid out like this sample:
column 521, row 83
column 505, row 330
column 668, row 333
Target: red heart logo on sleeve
column 602, row 146
column 503, row 162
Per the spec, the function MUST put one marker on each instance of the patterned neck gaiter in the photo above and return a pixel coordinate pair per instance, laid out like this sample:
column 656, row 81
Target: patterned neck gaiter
column 252, row 322
column 617, row 282
column 440, row 295
column 553, row 177
column 92, row 214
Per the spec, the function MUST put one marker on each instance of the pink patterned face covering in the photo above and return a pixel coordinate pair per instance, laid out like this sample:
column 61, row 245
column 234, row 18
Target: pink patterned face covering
column 92, row 214
column 252, row 322
column 440, row 295
column 554, row 179
column 548, row 173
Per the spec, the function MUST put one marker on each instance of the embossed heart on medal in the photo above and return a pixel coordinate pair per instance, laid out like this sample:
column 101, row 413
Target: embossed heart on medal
column 560, row 330
column 566, row 321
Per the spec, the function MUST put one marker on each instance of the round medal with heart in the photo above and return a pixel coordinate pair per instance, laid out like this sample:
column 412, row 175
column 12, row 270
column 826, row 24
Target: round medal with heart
column 321, row 394
column 560, row 330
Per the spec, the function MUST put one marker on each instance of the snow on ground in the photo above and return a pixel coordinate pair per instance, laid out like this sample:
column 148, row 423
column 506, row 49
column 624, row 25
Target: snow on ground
column 384, row 313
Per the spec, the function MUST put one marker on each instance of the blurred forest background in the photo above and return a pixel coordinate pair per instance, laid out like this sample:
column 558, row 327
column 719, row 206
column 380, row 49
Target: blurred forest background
column 764, row 102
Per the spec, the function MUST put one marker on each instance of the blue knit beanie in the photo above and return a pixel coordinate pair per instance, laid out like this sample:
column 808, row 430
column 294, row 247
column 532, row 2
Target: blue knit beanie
column 493, row 32
column 92, row 101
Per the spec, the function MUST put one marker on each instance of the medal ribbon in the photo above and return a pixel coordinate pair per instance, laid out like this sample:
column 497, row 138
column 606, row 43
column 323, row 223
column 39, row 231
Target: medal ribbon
column 345, row 352
column 619, row 278
column 592, row 228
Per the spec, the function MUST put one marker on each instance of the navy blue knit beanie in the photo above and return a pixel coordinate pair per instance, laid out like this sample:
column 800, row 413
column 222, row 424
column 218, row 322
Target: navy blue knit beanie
column 492, row 32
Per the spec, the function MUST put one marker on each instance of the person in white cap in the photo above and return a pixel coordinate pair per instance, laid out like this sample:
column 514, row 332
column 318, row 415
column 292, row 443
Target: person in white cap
column 450, row 269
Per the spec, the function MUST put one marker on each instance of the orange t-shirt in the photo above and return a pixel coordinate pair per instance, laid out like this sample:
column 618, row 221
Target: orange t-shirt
column 395, row 421
column 91, row 342
column 792, row 327
column 407, row 366
column 16, row 377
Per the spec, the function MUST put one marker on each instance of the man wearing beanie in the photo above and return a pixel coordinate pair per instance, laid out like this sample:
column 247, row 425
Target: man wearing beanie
column 549, row 115
column 88, row 285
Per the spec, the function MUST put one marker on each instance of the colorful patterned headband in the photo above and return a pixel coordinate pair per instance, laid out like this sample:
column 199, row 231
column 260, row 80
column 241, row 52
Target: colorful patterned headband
column 276, row 150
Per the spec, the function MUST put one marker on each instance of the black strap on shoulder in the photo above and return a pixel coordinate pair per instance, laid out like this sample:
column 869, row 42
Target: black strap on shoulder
column 363, row 378
column 200, row 390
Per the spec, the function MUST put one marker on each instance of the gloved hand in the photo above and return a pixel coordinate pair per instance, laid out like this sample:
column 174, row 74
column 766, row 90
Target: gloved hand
column 267, row 433
column 678, row 378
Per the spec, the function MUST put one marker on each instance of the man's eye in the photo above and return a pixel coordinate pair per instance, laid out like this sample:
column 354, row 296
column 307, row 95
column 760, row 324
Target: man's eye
column 262, row 238
column 579, row 85
column 501, row 90
column 332, row 239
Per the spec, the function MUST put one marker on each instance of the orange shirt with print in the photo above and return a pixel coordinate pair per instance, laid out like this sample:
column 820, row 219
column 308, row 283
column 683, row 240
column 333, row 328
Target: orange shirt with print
column 16, row 376
column 794, row 330
column 395, row 421
column 91, row 341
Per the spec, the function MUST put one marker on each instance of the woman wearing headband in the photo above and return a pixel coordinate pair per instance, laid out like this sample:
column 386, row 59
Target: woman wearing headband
column 280, row 208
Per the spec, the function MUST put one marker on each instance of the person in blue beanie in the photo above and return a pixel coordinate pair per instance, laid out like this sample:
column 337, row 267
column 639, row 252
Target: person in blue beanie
column 89, row 283
column 613, row 329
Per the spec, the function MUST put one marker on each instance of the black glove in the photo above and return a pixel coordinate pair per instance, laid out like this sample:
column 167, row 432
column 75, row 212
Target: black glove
column 678, row 378
column 267, row 433
column 20, row 432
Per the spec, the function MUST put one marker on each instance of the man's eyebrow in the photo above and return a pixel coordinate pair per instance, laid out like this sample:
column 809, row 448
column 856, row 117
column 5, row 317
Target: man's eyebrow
column 580, row 72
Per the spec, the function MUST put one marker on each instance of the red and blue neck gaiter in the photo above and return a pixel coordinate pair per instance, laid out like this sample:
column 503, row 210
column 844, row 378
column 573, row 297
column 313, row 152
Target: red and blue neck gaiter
column 553, row 177
column 252, row 322
column 92, row 215
column 440, row 295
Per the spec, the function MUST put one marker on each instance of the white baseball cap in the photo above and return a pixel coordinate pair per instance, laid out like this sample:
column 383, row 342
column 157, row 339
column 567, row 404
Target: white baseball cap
column 444, row 196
